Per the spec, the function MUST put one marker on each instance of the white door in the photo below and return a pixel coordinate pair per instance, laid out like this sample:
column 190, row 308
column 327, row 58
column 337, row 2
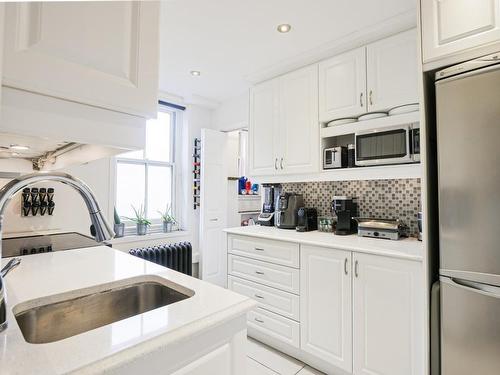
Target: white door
column 391, row 66
column 264, row 128
column 213, row 201
column 326, row 310
column 100, row 53
column 388, row 312
column 298, row 118
column 342, row 85
column 452, row 26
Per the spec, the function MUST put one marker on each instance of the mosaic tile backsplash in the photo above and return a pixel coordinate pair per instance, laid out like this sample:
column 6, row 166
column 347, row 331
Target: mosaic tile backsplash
column 383, row 199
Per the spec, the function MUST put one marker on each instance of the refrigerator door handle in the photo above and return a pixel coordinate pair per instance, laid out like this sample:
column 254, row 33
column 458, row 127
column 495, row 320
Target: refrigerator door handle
column 493, row 291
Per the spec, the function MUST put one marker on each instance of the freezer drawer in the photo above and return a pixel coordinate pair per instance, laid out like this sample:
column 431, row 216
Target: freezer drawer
column 470, row 328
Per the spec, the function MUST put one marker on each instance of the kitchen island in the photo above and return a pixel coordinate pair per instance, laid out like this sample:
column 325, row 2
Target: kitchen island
column 203, row 333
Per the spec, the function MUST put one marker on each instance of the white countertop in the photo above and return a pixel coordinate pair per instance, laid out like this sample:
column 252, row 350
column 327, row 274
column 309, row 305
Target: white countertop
column 49, row 274
column 408, row 248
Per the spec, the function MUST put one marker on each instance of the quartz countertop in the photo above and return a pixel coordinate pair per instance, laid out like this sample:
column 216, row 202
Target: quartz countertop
column 408, row 248
column 67, row 272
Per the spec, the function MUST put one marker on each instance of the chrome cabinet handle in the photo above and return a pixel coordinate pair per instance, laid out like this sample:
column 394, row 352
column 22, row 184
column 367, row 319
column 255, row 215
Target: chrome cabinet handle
column 214, row 219
column 345, row 266
column 356, row 269
column 276, row 164
column 361, row 100
column 259, row 249
column 259, row 272
column 259, row 320
column 371, row 97
column 259, row 296
column 281, row 163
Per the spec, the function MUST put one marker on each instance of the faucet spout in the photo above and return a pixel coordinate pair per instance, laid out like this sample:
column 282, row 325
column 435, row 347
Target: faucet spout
column 102, row 230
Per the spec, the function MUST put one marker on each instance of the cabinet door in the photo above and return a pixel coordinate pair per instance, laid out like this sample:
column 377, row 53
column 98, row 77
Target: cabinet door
column 325, row 313
column 215, row 362
column 299, row 126
column 391, row 66
column 387, row 316
column 103, row 54
column 342, row 85
column 263, row 128
column 452, row 26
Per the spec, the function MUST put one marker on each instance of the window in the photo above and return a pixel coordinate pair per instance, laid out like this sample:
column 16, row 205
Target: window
column 146, row 178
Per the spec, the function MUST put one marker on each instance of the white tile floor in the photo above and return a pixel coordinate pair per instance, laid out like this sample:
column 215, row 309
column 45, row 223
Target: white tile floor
column 264, row 360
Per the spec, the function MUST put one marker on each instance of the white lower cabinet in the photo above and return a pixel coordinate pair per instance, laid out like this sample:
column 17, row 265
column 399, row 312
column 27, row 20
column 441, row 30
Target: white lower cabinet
column 216, row 362
column 326, row 308
column 357, row 313
column 276, row 326
column 387, row 316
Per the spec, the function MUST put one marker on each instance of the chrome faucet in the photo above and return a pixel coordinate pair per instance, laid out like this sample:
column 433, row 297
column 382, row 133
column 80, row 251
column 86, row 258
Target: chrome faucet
column 101, row 229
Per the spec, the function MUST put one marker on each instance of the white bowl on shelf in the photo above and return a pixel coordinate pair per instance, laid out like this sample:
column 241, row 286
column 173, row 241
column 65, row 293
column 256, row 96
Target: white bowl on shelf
column 372, row 115
column 341, row 121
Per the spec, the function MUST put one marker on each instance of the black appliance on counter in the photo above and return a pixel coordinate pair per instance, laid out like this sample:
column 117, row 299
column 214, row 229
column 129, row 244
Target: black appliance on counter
column 345, row 209
column 287, row 210
column 271, row 194
column 27, row 245
column 307, row 219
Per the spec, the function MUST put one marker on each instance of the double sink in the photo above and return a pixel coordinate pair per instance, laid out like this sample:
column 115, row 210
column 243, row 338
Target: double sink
column 48, row 322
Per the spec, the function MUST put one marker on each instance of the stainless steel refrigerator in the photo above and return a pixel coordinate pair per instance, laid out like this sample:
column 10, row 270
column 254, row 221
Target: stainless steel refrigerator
column 468, row 147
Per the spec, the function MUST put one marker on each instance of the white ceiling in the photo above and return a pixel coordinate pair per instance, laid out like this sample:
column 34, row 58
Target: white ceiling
column 234, row 42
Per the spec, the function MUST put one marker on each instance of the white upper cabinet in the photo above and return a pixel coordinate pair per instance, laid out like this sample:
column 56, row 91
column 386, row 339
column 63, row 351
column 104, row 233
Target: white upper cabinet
column 299, row 126
column 284, row 127
column 378, row 77
column 325, row 306
column 342, row 85
column 388, row 312
column 103, row 54
column 453, row 26
column 264, row 128
column 392, row 72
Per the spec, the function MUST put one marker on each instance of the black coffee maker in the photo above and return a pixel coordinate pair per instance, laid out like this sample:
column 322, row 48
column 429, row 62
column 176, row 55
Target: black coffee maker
column 346, row 209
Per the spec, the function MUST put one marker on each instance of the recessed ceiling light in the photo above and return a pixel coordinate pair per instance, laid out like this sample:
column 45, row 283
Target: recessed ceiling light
column 195, row 73
column 19, row 147
column 284, row 28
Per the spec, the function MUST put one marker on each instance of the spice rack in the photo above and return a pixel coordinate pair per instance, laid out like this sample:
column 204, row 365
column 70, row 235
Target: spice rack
column 196, row 172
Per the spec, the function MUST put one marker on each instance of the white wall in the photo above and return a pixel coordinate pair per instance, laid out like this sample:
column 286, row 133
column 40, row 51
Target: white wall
column 232, row 114
column 70, row 213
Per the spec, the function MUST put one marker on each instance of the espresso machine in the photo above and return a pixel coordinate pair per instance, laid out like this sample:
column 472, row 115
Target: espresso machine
column 345, row 209
column 287, row 210
column 271, row 193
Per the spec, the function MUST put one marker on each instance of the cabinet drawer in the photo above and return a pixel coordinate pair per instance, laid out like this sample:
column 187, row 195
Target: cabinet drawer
column 271, row 299
column 280, row 277
column 284, row 253
column 274, row 325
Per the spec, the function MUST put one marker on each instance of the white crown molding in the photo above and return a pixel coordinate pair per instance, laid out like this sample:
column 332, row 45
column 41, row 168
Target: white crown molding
column 202, row 101
column 171, row 98
column 390, row 26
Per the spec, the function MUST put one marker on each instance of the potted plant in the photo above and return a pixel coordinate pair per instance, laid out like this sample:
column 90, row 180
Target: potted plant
column 168, row 219
column 140, row 220
column 119, row 227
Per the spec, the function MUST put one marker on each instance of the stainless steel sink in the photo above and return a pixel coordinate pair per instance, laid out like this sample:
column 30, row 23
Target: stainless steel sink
column 56, row 321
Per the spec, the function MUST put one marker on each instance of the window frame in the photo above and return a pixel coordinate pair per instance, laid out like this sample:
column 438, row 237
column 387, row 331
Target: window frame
column 156, row 224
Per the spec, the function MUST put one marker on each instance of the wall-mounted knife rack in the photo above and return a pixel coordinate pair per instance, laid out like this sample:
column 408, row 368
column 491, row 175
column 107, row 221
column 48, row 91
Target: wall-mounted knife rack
column 37, row 201
column 196, row 172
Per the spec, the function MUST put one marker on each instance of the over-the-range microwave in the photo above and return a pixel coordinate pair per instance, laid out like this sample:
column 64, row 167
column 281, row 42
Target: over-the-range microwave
column 392, row 145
